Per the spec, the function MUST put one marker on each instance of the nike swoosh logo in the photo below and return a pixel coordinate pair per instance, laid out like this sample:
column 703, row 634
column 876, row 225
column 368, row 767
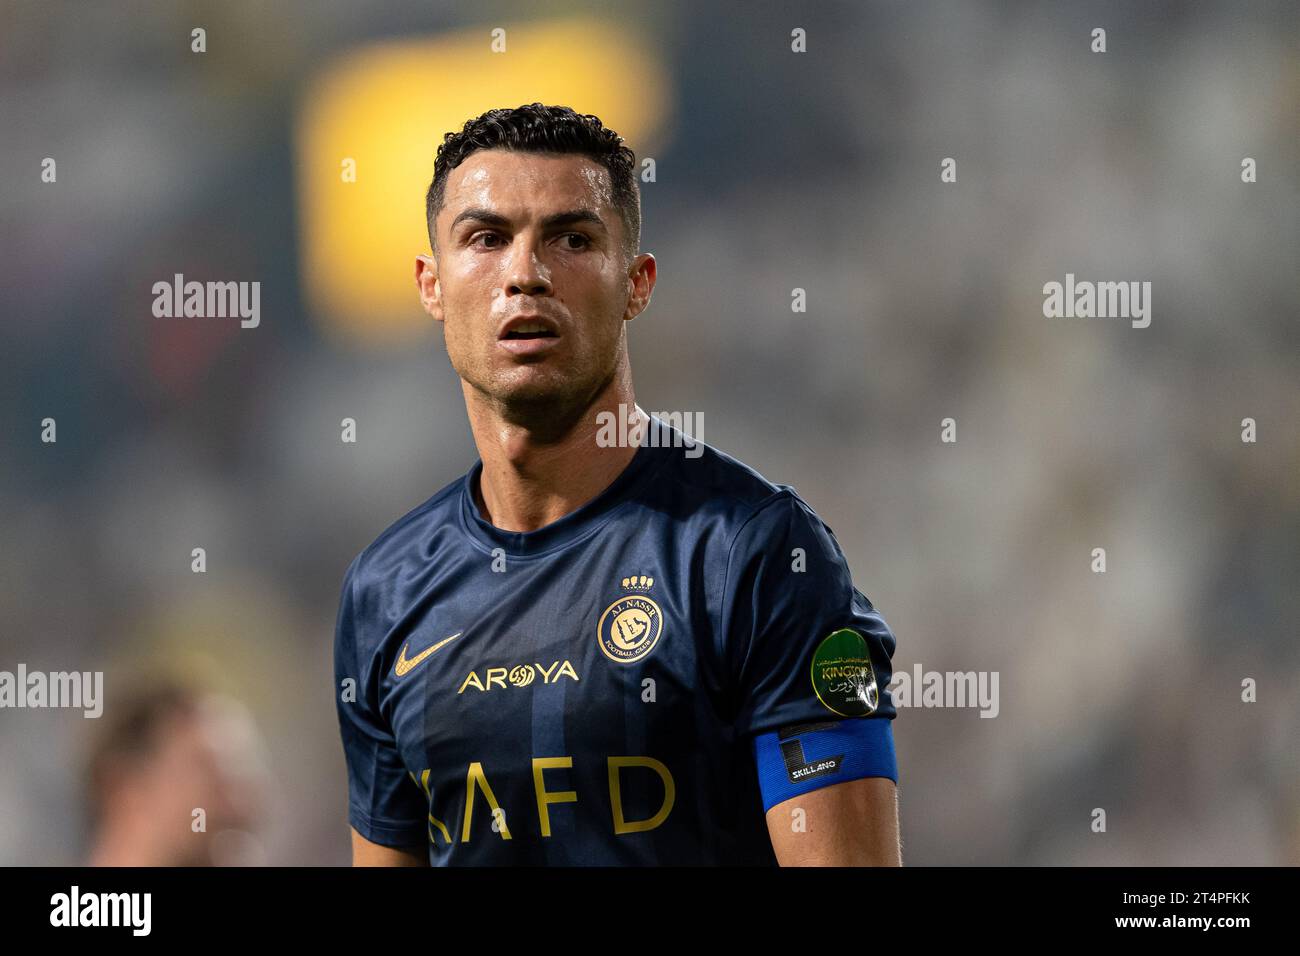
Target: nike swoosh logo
column 404, row 665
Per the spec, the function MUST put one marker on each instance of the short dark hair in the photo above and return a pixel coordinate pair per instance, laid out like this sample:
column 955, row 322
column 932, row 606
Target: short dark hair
column 133, row 730
column 542, row 129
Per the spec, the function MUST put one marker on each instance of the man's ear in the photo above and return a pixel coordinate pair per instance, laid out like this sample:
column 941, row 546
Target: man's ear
column 426, row 281
column 641, row 279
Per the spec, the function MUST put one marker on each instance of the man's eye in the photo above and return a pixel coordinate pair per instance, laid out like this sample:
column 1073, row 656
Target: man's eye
column 584, row 241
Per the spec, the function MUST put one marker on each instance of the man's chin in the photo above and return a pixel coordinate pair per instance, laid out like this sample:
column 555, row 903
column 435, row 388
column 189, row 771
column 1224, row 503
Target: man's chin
column 537, row 400
column 533, row 389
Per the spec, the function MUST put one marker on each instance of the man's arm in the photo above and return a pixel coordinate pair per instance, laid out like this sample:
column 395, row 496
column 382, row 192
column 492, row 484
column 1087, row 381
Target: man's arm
column 854, row 823
column 365, row 853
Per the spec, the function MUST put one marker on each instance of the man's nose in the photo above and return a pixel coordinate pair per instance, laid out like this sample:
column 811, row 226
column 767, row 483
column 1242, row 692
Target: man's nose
column 526, row 273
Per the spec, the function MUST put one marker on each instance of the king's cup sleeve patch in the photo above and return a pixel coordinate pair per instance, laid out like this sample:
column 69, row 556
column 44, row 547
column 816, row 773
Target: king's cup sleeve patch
column 842, row 676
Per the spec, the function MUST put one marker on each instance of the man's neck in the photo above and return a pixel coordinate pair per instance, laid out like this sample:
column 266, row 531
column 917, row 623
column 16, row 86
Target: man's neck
column 528, row 482
column 138, row 842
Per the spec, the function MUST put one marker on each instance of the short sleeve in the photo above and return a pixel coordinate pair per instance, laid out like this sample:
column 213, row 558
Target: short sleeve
column 384, row 804
column 802, row 644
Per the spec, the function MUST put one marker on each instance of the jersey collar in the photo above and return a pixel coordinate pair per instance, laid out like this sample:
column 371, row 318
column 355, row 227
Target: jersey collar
column 574, row 526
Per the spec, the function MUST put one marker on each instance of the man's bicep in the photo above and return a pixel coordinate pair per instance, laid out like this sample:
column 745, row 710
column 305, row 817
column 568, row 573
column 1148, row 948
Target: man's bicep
column 386, row 803
column 854, row 823
column 801, row 643
column 366, row 853
column 809, row 657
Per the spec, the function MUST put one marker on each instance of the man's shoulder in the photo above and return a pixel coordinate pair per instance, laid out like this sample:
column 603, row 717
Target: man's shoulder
column 405, row 535
column 713, row 480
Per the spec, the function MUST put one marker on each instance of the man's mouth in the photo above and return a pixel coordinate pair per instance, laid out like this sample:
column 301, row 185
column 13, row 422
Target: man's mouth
column 528, row 327
column 525, row 336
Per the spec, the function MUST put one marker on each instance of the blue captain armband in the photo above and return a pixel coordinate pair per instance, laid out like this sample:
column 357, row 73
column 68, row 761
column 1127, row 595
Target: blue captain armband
column 806, row 757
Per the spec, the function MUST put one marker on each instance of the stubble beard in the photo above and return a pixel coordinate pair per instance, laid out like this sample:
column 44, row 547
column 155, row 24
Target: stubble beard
column 548, row 412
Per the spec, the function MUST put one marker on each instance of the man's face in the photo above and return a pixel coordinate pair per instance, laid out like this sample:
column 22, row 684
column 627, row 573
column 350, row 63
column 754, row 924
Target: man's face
column 212, row 758
column 536, row 236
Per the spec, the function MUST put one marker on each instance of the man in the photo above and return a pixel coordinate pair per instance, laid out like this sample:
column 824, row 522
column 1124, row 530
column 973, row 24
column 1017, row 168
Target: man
column 588, row 651
column 176, row 777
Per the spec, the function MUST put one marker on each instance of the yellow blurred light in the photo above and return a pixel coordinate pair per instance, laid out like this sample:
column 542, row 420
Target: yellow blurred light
column 387, row 106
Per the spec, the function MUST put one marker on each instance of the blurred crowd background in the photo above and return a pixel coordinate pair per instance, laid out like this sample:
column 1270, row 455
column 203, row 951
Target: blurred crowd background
column 773, row 170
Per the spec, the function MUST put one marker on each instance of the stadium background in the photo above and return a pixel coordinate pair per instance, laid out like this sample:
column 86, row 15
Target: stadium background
column 774, row 171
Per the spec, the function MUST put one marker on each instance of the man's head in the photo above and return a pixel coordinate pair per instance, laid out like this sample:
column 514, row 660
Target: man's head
column 535, row 212
column 543, row 129
column 166, row 748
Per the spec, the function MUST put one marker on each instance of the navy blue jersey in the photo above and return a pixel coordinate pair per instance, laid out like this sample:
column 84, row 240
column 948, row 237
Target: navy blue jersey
column 635, row 683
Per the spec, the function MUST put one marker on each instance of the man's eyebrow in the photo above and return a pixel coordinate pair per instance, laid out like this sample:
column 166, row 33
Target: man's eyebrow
column 567, row 218
column 573, row 216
